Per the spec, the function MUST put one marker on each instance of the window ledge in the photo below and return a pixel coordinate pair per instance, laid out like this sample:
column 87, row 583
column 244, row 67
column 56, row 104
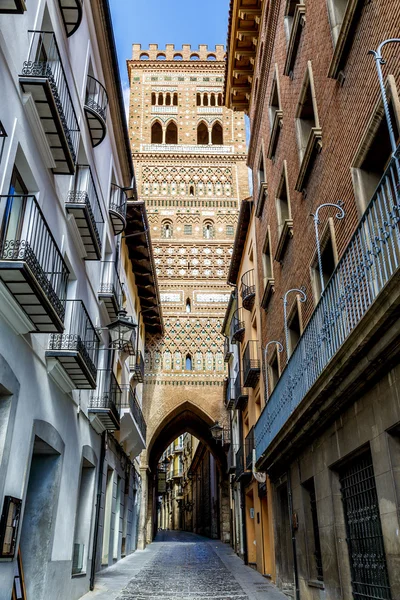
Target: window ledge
column 316, row 584
column 262, row 194
column 276, row 129
column 334, row 67
column 314, row 145
column 268, row 291
column 286, row 234
column 295, row 33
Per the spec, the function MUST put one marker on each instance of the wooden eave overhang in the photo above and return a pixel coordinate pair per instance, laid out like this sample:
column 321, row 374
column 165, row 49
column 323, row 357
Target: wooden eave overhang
column 243, row 34
column 143, row 267
column 240, row 239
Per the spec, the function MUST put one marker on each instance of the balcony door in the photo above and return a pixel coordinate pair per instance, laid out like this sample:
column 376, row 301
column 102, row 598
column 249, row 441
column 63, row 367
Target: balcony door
column 15, row 208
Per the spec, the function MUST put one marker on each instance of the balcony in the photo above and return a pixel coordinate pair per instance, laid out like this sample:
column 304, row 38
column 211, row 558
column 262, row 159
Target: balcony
column 71, row 12
column 251, row 364
column 358, row 303
column 43, row 77
column 31, row 265
column 231, row 460
column 229, row 393
column 105, row 402
column 77, row 348
column 248, row 290
column 133, row 425
column 237, row 326
column 136, row 366
column 227, row 349
column 117, row 209
column 249, row 447
column 110, row 291
column 10, row 7
column 84, row 205
column 96, row 102
column 241, row 394
column 240, row 471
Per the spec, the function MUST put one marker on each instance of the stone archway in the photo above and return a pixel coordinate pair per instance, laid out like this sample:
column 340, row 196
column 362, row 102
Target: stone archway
column 186, row 416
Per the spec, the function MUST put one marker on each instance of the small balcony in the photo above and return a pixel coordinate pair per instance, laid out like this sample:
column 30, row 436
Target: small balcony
column 77, row 348
column 110, row 291
column 117, row 209
column 133, row 425
column 231, row 459
column 12, row 7
column 249, row 447
column 96, row 102
column 136, row 366
column 248, row 290
column 241, row 394
column 31, row 265
column 84, row 205
column 71, row 12
column 105, row 402
column 251, row 364
column 229, row 393
column 237, row 326
column 43, row 77
column 227, row 349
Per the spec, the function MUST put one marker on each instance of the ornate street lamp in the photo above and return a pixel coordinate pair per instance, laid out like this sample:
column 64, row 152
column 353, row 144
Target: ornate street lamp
column 122, row 333
column 220, row 433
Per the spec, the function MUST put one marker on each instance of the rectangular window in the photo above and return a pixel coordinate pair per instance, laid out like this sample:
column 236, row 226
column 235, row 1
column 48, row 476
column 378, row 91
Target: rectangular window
column 283, row 213
column 187, row 229
column 268, row 271
column 275, row 115
column 344, row 17
column 312, row 531
column 293, row 24
column 230, row 230
column 295, row 328
column 273, row 372
column 328, row 260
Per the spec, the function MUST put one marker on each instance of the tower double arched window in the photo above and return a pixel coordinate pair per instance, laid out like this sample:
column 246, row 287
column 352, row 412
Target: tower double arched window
column 216, row 134
column 164, row 135
column 202, row 133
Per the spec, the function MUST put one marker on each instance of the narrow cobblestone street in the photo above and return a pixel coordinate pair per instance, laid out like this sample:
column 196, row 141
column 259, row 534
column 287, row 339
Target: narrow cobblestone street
column 182, row 566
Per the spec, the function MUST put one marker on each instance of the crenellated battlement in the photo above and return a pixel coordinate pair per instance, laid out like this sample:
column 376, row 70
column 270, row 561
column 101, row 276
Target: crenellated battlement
column 186, row 53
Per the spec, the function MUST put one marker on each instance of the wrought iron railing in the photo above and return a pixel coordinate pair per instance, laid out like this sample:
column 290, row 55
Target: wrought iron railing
column 96, row 97
column 118, row 201
column 248, row 286
column 251, row 364
column 231, row 459
column 129, row 400
column 370, row 260
column 241, row 393
column 248, row 447
column 84, row 192
column 110, row 281
column 80, row 335
column 239, row 462
column 25, row 236
column 227, row 349
column 137, row 366
column 230, row 393
column 44, row 61
column 108, row 394
column 237, row 325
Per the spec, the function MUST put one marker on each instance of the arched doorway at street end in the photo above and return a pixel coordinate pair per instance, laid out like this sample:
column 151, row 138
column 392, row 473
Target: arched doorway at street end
column 183, row 452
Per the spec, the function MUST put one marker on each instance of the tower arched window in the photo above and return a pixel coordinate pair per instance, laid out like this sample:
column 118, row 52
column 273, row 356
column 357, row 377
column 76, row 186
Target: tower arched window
column 160, row 99
column 168, row 100
column 216, row 134
column 205, row 100
column 202, row 133
column 191, row 190
column 156, row 133
column 171, row 134
column 188, row 305
column 188, row 362
column 219, row 99
column 198, row 100
column 153, row 100
column 175, row 100
column 212, row 102
column 166, row 229
column 208, row 230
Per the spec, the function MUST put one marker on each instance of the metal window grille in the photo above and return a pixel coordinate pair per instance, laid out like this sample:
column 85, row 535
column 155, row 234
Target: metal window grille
column 187, row 229
column 229, row 230
column 369, row 575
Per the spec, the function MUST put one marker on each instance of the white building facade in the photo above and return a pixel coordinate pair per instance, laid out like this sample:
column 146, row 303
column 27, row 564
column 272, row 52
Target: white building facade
column 71, row 425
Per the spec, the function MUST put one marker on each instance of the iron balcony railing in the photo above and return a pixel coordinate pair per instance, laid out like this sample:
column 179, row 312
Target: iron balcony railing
column 110, row 281
column 239, row 462
column 230, row 393
column 370, row 260
column 241, row 393
column 96, row 97
column 137, row 367
column 84, row 192
column 249, row 447
column 80, row 335
column 248, row 289
column 26, row 236
column 227, row 349
column 231, row 459
column 118, row 200
column 44, row 60
column 108, row 394
column 251, row 364
column 237, row 326
column 129, row 400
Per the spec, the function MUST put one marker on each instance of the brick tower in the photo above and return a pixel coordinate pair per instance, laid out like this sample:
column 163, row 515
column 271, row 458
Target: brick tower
column 190, row 162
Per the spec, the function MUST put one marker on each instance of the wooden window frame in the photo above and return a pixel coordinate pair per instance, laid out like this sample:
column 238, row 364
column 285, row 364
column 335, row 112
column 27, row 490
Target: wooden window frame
column 298, row 23
column 276, row 121
column 269, row 282
column 286, row 231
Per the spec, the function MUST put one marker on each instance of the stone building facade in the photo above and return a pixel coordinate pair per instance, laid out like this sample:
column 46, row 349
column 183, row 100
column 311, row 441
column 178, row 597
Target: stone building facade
column 190, row 162
column 328, row 435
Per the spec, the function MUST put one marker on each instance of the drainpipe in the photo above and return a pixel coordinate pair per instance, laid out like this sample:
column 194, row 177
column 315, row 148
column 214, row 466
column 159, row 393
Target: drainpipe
column 97, row 516
column 295, row 568
column 243, row 501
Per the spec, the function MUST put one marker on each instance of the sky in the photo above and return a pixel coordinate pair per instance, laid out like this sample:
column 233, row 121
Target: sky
column 167, row 22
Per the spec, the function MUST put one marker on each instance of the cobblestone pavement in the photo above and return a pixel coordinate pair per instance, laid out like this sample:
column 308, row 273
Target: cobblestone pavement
column 182, row 566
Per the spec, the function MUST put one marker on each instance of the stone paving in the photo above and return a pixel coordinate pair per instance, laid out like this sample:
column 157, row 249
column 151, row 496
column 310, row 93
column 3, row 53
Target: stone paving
column 182, row 566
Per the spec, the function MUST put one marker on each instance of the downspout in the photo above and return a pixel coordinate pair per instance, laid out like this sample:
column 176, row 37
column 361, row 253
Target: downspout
column 295, row 568
column 243, row 503
column 97, row 516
